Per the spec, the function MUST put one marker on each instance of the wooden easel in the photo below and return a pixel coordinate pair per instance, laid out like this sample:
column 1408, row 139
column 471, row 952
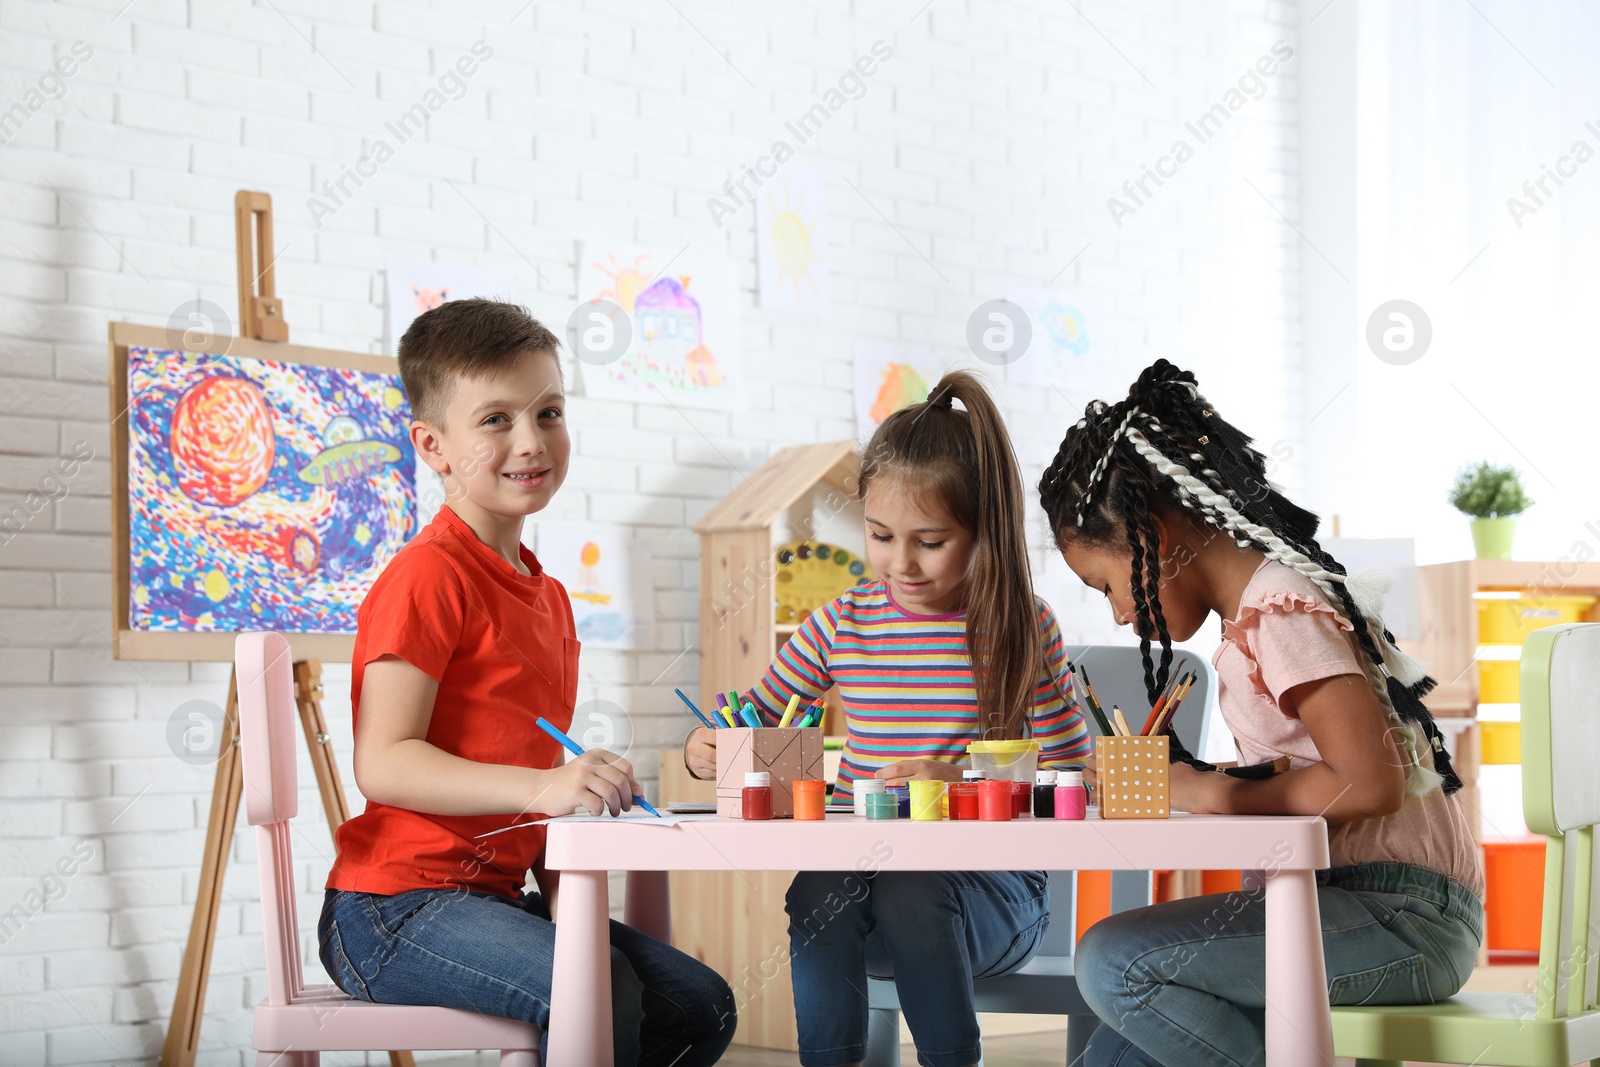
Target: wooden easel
column 261, row 317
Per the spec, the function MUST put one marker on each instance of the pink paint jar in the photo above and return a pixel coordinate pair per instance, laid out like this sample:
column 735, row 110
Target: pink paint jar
column 1072, row 800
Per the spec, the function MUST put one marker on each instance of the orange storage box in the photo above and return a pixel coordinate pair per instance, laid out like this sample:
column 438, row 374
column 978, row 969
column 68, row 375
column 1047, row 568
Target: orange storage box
column 1514, row 893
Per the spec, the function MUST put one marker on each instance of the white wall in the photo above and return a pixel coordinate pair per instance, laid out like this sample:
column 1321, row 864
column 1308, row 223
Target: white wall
column 987, row 147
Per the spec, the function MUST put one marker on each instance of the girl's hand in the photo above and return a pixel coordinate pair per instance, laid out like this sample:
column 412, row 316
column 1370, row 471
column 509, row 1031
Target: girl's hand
column 1196, row 791
column 700, row 753
column 1088, row 772
column 596, row 781
column 921, row 770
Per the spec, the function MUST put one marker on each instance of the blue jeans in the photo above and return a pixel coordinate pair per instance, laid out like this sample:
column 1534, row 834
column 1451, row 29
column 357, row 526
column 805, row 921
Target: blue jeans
column 933, row 932
column 1183, row 982
column 493, row 955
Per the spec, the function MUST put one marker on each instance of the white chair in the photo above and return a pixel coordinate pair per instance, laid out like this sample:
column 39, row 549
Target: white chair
column 1047, row 985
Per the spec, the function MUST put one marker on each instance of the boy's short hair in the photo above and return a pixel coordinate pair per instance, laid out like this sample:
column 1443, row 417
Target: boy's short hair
column 464, row 339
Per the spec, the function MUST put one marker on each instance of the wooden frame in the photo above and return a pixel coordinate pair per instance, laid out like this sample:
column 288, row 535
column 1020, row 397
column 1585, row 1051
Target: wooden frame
column 126, row 642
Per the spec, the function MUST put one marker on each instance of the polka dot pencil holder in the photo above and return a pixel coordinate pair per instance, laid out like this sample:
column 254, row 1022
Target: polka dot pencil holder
column 1132, row 780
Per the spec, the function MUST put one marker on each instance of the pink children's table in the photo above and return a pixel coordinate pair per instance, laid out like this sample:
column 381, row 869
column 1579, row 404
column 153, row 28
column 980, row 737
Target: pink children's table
column 1289, row 849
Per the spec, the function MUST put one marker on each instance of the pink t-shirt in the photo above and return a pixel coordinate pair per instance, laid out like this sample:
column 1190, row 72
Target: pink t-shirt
column 1287, row 634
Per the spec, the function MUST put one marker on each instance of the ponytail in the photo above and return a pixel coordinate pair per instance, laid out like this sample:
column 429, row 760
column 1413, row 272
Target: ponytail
column 964, row 459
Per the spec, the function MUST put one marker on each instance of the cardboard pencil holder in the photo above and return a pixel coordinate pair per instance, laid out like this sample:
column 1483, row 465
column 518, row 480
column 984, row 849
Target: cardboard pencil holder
column 790, row 755
column 1132, row 777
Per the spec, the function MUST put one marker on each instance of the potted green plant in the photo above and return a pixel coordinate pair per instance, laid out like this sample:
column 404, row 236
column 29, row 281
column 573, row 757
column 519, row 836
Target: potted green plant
column 1493, row 497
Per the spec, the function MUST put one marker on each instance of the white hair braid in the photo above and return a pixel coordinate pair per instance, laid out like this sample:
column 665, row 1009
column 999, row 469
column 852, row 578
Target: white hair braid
column 1099, row 469
column 1420, row 780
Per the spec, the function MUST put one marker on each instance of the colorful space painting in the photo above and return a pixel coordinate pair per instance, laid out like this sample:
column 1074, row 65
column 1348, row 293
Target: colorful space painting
column 263, row 495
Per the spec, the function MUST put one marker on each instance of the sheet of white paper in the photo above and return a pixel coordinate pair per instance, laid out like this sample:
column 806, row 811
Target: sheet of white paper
column 638, row 815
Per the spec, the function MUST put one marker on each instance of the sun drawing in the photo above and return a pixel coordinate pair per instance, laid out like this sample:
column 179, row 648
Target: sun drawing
column 790, row 240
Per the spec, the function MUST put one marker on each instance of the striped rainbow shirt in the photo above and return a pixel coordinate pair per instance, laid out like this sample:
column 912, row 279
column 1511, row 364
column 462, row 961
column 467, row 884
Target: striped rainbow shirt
column 906, row 684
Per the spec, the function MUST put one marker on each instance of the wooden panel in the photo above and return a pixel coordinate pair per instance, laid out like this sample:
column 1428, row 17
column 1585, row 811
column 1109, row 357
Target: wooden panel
column 1449, row 642
column 734, row 923
column 757, row 500
column 737, row 630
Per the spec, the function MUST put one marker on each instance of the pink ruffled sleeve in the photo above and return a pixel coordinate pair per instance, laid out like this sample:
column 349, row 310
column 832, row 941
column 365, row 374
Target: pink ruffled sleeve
column 1290, row 639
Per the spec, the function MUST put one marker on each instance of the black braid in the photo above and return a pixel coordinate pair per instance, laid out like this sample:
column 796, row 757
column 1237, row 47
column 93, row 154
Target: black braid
column 1134, row 503
column 1115, row 505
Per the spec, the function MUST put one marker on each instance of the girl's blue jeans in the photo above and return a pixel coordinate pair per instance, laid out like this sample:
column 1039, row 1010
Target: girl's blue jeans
column 933, row 932
column 493, row 955
column 1183, row 982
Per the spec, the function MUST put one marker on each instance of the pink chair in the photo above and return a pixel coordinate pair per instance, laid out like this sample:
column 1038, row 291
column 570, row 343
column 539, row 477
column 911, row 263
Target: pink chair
column 297, row 1022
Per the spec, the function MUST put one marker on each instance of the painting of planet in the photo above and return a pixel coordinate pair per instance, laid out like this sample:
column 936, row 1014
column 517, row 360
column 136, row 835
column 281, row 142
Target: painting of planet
column 263, row 495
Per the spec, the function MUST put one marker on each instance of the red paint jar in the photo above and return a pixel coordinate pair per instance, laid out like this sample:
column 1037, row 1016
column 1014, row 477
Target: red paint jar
column 964, row 800
column 994, row 801
column 1021, row 800
column 756, row 800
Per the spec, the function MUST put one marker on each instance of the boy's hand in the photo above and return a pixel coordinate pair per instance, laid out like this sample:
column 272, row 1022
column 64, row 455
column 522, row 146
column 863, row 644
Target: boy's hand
column 919, row 769
column 596, row 781
column 700, row 753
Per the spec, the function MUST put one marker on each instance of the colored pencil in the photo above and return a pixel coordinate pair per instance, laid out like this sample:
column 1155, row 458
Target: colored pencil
column 1122, row 721
column 709, row 724
column 573, row 747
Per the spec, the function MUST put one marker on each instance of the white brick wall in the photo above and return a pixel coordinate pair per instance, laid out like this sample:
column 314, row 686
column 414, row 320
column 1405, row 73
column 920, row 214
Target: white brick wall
column 990, row 142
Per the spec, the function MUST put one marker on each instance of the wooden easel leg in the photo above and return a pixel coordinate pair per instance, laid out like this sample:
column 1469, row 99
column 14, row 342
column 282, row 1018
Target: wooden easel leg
column 183, row 1033
column 308, row 697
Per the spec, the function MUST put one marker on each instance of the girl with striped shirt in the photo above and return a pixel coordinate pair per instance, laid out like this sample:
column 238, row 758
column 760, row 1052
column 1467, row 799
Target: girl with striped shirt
column 949, row 646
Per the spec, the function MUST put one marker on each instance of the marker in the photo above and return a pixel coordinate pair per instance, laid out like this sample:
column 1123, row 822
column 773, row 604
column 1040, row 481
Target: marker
column 734, row 702
column 788, row 712
column 709, row 724
column 572, row 746
column 748, row 714
column 724, row 710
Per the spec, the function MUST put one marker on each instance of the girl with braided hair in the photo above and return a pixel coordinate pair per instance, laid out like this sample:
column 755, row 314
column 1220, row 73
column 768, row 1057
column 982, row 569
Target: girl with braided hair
column 947, row 647
column 1164, row 507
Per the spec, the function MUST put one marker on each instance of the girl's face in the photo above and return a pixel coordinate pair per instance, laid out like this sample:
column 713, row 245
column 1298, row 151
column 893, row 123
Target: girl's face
column 921, row 551
column 1109, row 572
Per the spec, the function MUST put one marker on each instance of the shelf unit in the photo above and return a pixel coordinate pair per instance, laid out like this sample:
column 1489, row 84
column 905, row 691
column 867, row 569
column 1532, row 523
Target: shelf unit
column 1457, row 600
column 736, row 923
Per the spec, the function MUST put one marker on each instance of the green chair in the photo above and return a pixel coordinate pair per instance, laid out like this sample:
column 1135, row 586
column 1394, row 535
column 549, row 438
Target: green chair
column 1559, row 1024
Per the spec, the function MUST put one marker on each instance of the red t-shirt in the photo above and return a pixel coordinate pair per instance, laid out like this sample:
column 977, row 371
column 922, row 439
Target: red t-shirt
column 501, row 645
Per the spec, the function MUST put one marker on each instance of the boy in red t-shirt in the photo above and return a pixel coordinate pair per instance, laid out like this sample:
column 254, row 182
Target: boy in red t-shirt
column 461, row 644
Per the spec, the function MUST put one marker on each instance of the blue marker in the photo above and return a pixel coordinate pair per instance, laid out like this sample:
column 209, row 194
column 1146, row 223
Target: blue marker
column 572, row 746
column 748, row 713
column 709, row 724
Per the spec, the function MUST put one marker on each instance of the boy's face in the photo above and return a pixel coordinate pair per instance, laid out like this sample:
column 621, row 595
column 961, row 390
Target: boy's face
column 503, row 446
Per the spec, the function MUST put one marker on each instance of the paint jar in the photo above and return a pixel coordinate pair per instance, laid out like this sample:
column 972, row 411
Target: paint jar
column 810, row 800
column 902, row 800
column 994, row 801
column 866, row 787
column 1071, row 800
column 882, row 806
column 1016, row 760
column 756, row 800
column 1044, row 794
column 963, row 800
column 1022, row 800
column 927, row 801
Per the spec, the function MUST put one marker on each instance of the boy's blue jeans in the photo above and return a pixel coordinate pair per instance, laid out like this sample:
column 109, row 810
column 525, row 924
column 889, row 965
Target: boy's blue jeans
column 1183, row 982
column 493, row 955
column 933, row 932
